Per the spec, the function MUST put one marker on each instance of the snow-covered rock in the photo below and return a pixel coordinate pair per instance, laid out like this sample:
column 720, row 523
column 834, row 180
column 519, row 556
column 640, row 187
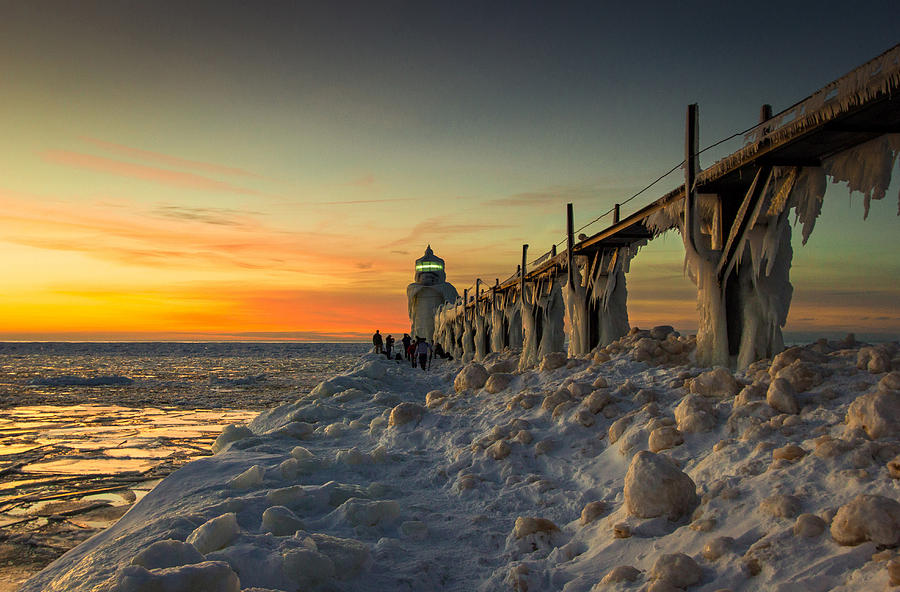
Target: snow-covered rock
column 552, row 361
column 782, row 397
column 677, row 569
column 498, row 382
column 663, row 438
column 654, row 486
column 695, row 414
column 878, row 413
column 717, row 382
column 471, row 377
column 867, row 518
column 405, row 413
column 621, row 573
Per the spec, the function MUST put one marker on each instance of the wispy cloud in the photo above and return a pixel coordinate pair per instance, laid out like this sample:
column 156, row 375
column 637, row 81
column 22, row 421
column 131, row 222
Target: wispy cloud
column 362, row 201
column 167, row 159
column 556, row 195
column 364, row 181
column 215, row 216
column 188, row 238
column 145, row 173
column 432, row 228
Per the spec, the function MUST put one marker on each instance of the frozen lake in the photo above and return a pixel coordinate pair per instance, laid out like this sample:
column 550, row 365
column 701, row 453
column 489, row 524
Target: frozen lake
column 86, row 429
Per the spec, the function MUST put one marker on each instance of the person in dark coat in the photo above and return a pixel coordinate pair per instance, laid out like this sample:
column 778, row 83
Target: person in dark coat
column 440, row 353
column 376, row 341
column 388, row 345
column 406, row 341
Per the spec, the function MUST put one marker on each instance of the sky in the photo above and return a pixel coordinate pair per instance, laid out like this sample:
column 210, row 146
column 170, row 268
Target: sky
column 271, row 170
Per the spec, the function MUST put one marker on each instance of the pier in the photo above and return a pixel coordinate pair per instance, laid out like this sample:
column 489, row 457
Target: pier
column 733, row 220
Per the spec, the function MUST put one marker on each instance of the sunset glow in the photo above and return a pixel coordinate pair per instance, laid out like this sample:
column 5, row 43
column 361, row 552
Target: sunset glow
column 152, row 189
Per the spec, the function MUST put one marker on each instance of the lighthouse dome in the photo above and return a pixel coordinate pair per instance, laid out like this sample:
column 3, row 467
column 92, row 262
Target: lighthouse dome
column 430, row 268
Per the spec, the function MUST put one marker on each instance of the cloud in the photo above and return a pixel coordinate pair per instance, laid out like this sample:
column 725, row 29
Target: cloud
column 557, row 195
column 362, row 201
column 145, row 173
column 364, row 181
column 428, row 230
column 215, row 216
column 167, row 159
column 364, row 265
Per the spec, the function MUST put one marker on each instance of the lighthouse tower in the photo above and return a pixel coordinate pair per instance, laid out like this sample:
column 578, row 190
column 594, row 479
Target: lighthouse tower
column 429, row 290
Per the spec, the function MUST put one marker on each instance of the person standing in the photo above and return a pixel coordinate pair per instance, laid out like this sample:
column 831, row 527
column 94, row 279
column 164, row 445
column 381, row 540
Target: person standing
column 376, row 341
column 422, row 351
column 389, row 344
column 406, row 341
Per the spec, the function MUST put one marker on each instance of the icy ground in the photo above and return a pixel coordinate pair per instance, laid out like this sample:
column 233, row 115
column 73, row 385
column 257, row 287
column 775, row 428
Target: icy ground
column 628, row 469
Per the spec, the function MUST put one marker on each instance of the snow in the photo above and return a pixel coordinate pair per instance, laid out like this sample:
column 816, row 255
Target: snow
column 536, row 486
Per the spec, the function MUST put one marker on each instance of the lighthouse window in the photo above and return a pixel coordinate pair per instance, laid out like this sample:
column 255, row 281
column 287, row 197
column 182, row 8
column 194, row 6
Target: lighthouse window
column 429, row 266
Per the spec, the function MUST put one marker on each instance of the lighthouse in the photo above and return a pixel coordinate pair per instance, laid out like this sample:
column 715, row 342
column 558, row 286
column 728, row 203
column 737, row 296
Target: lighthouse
column 429, row 290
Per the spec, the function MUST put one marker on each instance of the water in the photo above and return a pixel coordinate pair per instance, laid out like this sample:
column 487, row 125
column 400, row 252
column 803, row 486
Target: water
column 86, row 429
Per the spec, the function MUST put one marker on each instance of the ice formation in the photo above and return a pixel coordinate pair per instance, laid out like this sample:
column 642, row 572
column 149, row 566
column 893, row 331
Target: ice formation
column 439, row 481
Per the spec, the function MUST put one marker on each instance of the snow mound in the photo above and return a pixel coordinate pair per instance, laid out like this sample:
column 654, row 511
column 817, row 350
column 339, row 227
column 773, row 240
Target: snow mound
column 624, row 468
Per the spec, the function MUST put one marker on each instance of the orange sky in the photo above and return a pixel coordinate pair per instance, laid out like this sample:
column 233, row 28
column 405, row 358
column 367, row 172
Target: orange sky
column 274, row 174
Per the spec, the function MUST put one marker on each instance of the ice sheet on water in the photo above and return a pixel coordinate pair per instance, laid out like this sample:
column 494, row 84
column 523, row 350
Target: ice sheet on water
column 70, row 380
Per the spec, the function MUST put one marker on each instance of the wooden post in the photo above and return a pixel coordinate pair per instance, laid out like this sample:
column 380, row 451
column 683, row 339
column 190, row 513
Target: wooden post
column 553, row 251
column 522, row 273
column 765, row 114
column 691, row 147
column 570, row 244
column 465, row 302
column 616, row 214
column 477, row 296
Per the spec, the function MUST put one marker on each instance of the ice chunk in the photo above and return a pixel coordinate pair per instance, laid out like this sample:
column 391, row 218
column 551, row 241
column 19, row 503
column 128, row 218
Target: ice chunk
column 209, row 575
column 362, row 512
column 307, row 567
column 248, row 479
column 349, row 556
column 286, row 496
column 167, row 553
column 215, row 534
column 231, row 433
column 280, row 521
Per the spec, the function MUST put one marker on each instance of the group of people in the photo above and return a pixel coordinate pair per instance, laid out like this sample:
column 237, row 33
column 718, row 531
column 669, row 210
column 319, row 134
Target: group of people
column 418, row 352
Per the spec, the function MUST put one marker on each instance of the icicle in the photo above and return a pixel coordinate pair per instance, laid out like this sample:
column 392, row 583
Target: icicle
column 529, row 337
column 575, row 300
column 553, row 310
column 866, row 168
column 498, row 337
column 480, row 337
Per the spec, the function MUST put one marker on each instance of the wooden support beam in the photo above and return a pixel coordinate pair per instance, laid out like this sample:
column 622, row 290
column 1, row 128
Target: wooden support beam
column 570, row 244
column 616, row 213
column 744, row 220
